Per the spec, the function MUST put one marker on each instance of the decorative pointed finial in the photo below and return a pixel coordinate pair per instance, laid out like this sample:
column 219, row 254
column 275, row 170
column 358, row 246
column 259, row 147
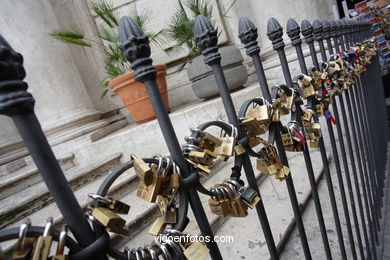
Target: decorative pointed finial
column 134, row 45
column 275, row 33
column 344, row 26
column 307, row 31
column 317, row 30
column 325, row 29
column 340, row 28
column 247, row 32
column 206, row 39
column 14, row 99
column 333, row 28
column 293, row 31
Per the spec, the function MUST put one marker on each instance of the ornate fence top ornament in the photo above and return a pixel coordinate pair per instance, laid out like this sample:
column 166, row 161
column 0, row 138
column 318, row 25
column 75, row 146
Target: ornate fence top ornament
column 136, row 49
column 247, row 32
column 293, row 31
column 14, row 99
column 333, row 29
column 317, row 30
column 307, row 31
column 325, row 29
column 340, row 28
column 275, row 33
column 206, row 38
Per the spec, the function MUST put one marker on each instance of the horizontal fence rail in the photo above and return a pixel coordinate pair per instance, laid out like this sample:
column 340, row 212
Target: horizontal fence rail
column 343, row 85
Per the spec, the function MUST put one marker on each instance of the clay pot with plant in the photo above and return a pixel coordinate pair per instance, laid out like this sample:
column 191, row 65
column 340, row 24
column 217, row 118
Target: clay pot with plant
column 120, row 77
column 180, row 31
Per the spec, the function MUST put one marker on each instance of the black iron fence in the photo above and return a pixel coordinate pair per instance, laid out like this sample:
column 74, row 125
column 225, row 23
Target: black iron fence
column 345, row 88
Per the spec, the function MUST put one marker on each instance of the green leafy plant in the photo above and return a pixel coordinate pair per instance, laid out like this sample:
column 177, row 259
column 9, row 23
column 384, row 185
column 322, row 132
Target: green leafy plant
column 114, row 62
column 180, row 30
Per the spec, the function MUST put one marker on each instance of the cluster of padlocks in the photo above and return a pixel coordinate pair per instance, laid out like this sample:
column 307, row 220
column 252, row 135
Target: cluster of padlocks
column 161, row 180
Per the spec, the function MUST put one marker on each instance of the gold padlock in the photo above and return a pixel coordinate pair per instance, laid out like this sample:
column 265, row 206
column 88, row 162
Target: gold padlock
column 157, row 227
column 43, row 245
column 110, row 220
column 149, row 193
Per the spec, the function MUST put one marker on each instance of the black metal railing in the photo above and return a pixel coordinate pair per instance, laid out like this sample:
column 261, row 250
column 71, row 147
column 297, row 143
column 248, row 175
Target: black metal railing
column 345, row 88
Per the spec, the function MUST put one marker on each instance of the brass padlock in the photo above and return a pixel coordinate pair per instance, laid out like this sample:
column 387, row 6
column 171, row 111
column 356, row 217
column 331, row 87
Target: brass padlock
column 209, row 141
column 24, row 246
column 110, row 220
column 219, row 205
column 150, row 192
column 143, row 171
column 261, row 113
column 60, row 251
column 276, row 115
column 157, row 227
column 253, row 126
column 43, row 245
column 196, row 251
column 239, row 208
column 205, row 157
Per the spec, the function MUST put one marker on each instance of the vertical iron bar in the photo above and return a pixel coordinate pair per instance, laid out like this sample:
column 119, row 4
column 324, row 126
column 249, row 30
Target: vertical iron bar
column 17, row 103
column 275, row 33
column 356, row 136
column 136, row 49
column 307, row 32
column 337, row 31
column 367, row 114
column 342, row 147
column 293, row 31
column 206, row 39
column 322, row 32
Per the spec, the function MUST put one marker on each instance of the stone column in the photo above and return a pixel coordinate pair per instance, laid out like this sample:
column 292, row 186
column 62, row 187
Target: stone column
column 61, row 98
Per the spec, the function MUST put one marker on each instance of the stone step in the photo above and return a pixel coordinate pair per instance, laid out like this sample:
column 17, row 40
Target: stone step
column 36, row 197
column 73, row 135
column 26, row 176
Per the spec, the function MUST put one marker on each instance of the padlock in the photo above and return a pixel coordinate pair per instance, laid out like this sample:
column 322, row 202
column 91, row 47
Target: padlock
column 60, row 251
column 24, row 246
column 157, row 227
column 239, row 208
column 209, row 141
column 149, row 193
column 110, row 220
column 261, row 113
column 253, row 126
column 43, row 245
column 276, row 115
column 143, row 171
column 205, row 157
column 196, row 251
column 219, row 205
column 250, row 197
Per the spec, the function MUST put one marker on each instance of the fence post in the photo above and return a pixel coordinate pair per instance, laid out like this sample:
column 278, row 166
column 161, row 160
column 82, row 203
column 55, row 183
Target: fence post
column 135, row 47
column 206, row 39
column 275, row 33
column 17, row 103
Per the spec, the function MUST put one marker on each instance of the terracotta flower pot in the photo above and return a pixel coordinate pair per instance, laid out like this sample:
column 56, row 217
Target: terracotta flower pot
column 134, row 96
